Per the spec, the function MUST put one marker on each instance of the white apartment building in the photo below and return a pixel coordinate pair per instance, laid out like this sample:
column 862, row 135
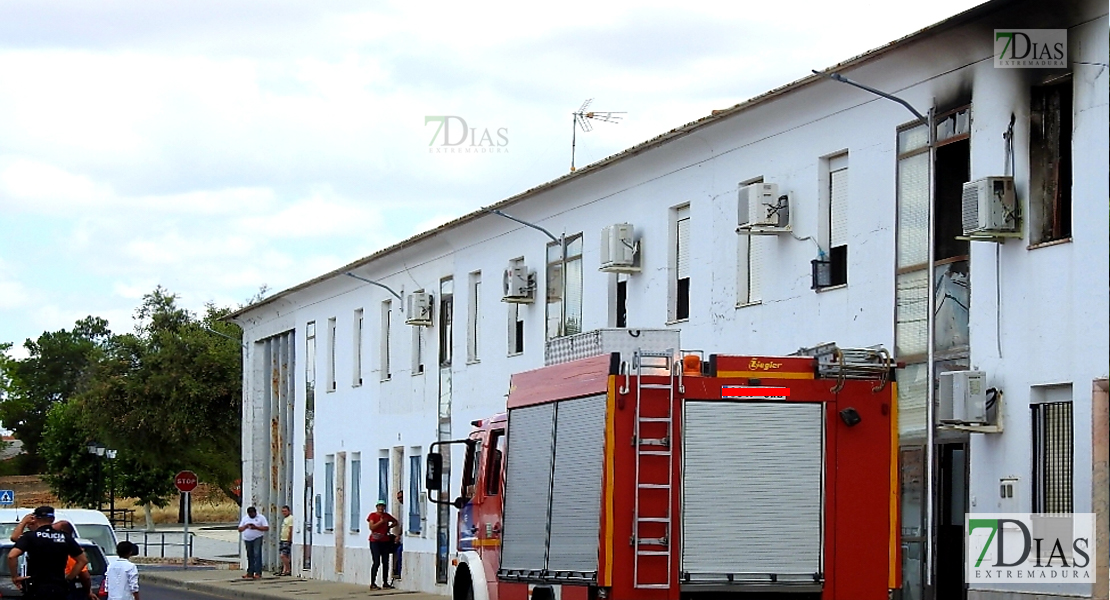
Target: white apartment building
column 342, row 396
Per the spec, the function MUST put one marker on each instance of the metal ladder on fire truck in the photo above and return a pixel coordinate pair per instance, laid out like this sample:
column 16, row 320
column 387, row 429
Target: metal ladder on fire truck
column 662, row 446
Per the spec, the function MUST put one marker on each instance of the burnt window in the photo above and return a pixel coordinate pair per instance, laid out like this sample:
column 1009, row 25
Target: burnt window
column 953, row 169
column 1050, row 123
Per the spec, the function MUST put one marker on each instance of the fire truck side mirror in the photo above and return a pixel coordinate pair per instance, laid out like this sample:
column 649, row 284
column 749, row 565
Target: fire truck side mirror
column 434, row 479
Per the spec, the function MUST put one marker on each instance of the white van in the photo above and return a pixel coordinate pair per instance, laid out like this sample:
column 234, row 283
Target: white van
column 91, row 525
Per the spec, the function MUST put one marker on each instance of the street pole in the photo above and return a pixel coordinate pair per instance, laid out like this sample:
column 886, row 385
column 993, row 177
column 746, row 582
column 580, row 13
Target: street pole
column 185, row 538
column 929, row 119
column 111, row 454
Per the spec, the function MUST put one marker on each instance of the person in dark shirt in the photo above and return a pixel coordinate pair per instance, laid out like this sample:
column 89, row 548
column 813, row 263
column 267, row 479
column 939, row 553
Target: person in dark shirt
column 47, row 550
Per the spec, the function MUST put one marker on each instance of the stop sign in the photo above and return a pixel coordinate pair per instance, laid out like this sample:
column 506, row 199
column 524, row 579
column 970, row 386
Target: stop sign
column 185, row 481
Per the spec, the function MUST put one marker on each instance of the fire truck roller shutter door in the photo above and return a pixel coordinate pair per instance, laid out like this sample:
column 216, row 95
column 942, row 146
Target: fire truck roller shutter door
column 752, row 499
column 528, row 487
column 576, row 490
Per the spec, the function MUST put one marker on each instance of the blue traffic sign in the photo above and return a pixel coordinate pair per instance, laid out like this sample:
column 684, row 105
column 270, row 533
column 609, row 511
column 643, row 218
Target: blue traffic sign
column 7, row 496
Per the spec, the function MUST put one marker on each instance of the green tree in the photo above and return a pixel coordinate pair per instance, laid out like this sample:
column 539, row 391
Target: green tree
column 171, row 392
column 57, row 368
column 73, row 474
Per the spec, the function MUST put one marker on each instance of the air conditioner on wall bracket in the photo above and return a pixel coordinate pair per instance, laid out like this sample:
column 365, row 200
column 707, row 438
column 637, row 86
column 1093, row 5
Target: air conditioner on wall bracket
column 989, row 208
column 419, row 309
column 962, row 398
column 761, row 209
column 619, row 249
column 519, row 284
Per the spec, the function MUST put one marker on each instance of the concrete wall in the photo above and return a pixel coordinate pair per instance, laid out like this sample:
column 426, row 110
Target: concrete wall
column 1052, row 319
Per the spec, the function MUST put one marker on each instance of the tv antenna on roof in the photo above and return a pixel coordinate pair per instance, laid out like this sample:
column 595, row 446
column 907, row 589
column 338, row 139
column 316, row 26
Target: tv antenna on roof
column 582, row 120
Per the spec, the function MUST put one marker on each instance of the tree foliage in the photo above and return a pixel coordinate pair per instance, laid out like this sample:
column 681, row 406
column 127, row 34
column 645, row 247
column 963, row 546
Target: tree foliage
column 73, row 474
column 166, row 396
column 57, row 368
column 171, row 392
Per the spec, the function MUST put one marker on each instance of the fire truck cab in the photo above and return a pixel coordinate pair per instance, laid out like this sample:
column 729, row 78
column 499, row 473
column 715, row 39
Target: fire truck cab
column 659, row 477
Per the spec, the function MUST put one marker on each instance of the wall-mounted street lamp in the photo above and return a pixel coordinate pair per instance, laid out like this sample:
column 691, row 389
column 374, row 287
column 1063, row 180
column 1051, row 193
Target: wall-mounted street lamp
column 379, row 284
column 223, row 335
column 562, row 241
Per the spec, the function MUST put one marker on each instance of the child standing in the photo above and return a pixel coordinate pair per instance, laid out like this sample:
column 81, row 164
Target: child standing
column 121, row 581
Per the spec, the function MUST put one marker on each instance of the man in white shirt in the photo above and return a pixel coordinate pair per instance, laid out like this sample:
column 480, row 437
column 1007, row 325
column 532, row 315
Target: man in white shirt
column 253, row 527
column 121, row 581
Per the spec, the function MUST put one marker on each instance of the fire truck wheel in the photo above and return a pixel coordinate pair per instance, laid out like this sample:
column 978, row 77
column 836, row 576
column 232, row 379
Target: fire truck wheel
column 464, row 586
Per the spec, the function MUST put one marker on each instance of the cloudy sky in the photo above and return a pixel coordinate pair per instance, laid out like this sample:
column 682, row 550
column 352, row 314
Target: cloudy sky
column 213, row 147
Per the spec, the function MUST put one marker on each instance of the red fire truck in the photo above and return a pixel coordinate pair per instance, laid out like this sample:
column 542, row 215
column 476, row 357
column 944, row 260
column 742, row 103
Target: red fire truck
column 659, row 478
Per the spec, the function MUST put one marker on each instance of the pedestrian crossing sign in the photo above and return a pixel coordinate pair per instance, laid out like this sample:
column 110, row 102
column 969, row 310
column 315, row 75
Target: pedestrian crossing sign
column 7, row 496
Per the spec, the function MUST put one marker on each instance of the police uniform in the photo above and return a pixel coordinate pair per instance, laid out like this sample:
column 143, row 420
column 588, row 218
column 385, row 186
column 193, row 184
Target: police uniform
column 47, row 550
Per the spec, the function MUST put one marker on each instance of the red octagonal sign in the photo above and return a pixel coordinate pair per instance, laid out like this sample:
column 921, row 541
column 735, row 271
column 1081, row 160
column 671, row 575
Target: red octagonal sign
column 186, row 481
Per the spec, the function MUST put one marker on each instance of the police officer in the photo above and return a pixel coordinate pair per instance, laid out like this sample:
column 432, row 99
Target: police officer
column 47, row 550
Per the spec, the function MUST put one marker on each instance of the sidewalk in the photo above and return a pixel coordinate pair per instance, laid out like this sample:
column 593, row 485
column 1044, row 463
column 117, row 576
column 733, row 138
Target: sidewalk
column 211, row 541
column 229, row 584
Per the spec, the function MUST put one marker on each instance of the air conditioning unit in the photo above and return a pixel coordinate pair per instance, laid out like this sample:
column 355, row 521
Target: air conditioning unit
column 989, row 206
column 520, row 285
column 419, row 309
column 618, row 249
column 762, row 208
column 962, row 398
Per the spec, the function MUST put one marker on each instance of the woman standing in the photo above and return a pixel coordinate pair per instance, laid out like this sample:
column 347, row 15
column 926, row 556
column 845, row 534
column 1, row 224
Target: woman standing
column 380, row 544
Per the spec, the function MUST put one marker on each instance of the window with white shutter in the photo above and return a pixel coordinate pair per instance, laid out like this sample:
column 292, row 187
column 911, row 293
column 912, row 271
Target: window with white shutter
column 752, row 250
column 682, row 264
column 838, row 220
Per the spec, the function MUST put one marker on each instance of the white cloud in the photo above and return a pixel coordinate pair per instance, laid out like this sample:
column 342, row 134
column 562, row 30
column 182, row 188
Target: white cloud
column 212, row 147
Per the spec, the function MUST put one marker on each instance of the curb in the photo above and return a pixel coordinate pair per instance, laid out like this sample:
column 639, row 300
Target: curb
column 234, row 590
column 204, row 587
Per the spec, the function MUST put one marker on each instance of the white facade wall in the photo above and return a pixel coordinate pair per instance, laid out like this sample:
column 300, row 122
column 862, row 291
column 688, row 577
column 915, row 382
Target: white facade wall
column 1052, row 318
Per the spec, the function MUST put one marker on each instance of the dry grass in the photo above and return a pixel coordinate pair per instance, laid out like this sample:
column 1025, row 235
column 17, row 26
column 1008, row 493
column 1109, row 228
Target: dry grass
column 225, row 511
column 209, row 504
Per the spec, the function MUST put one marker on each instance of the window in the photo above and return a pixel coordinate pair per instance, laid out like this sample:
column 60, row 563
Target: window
column 417, row 350
column 681, row 305
column 331, row 354
column 383, row 476
column 473, row 315
column 329, row 492
column 415, row 512
column 384, row 351
column 356, row 491
column 618, row 305
column 1052, row 457
column 834, row 234
column 310, row 357
column 446, row 321
column 911, row 285
column 516, row 320
column 750, row 276
column 495, row 462
column 1050, row 124
column 356, row 376
column 564, row 307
